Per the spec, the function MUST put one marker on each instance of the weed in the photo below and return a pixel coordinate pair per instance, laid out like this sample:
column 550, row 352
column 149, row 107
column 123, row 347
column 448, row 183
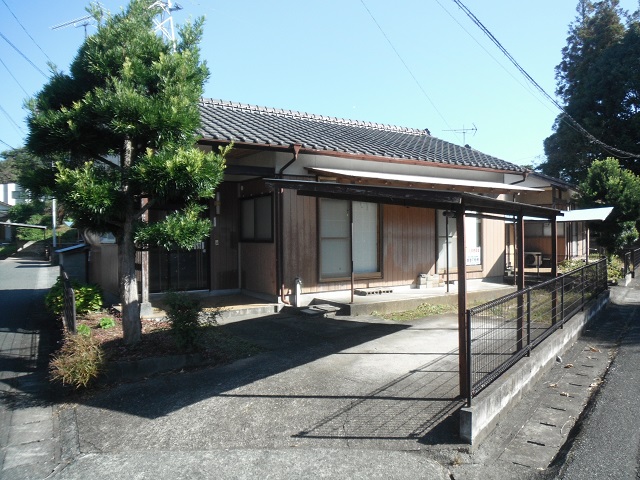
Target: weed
column 107, row 322
column 84, row 330
column 78, row 362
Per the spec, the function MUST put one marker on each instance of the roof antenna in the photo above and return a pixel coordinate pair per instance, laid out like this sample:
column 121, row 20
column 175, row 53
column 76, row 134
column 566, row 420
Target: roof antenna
column 165, row 24
column 78, row 22
column 464, row 131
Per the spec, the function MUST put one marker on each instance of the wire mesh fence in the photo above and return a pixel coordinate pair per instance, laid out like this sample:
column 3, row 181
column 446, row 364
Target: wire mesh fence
column 504, row 330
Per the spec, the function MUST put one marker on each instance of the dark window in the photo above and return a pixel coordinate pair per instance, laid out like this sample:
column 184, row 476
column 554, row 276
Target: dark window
column 256, row 219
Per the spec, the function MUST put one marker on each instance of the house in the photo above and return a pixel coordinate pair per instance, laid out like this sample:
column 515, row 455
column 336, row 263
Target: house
column 354, row 228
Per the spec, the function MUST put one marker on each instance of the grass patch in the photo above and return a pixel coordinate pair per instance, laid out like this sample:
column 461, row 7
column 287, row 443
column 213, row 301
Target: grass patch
column 7, row 250
column 423, row 310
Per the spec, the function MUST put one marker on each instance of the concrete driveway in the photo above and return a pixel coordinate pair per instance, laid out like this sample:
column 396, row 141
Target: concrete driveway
column 353, row 398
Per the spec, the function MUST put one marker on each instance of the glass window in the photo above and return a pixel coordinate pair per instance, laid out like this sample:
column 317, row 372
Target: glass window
column 336, row 238
column 256, row 219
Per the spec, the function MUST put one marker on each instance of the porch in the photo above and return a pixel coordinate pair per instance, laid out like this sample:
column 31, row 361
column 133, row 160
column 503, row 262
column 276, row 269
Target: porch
column 242, row 306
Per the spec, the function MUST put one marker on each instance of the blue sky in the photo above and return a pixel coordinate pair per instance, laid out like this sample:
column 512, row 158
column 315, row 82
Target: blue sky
column 416, row 63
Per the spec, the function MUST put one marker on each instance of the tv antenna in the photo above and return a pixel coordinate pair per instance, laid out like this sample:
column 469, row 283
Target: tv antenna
column 164, row 25
column 78, row 22
column 464, row 131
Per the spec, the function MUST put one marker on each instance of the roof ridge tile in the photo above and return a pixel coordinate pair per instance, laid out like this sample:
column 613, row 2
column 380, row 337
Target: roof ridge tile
column 310, row 116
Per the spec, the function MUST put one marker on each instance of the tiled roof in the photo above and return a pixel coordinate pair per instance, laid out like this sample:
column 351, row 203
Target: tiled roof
column 240, row 123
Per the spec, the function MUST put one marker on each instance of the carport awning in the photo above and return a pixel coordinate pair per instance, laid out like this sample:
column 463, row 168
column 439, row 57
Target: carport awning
column 425, row 181
column 415, row 197
column 582, row 215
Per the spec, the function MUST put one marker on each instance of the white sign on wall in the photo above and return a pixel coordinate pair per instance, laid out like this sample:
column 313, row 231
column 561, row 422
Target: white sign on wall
column 473, row 255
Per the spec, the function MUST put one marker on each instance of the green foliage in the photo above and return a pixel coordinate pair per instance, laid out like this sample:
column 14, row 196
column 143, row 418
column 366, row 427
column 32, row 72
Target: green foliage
column 607, row 183
column 130, row 95
column 615, row 268
column 88, row 297
column 179, row 229
column 78, row 362
column 598, row 80
column 23, row 212
column 8, row 168
column 83, row 330
column 34, row 174
column 187, row 318
column 107, row 322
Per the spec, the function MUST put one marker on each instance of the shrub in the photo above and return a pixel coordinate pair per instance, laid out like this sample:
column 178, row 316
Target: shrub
column 88, row 297
column 78, row 362
column 186, row 318
column 615, row 267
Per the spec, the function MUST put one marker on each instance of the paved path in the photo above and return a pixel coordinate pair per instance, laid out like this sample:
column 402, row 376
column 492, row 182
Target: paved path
column 28, row 437
column 348, row 398
column 608, row 444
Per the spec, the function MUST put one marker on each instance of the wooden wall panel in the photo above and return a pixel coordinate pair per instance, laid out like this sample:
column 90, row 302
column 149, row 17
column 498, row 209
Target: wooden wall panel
column 493, row 238
column 408, row 243
column 258, row 272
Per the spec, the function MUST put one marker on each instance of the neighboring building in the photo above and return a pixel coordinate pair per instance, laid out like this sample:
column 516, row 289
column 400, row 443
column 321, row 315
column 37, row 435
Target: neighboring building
column 11, row 193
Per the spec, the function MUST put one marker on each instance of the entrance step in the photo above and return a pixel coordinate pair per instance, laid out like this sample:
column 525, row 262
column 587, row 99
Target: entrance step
column 372, row 291
column 324, row 310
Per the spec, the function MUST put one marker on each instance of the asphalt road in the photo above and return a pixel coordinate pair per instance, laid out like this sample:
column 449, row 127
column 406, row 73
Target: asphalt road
column 28, row 442
column 608, row 442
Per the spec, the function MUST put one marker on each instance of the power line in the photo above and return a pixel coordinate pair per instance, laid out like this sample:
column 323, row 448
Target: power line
column 25, row 31
column 517, row 80
column 13, row 76
column 23, row 55
column 11, row 119
column 424, row 92
column 572, row 121
column 5, row 143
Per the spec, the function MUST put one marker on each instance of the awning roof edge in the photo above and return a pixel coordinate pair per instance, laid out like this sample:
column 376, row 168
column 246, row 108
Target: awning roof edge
column 427, row 180
column 438, row 199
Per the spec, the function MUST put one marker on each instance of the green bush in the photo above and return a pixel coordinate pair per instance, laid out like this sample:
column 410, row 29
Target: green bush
column 78, row 362
column 186, row 317
column 615, row 267
column 88, row 297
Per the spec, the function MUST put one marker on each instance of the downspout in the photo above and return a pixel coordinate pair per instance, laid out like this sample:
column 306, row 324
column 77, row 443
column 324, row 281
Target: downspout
column 280, row 206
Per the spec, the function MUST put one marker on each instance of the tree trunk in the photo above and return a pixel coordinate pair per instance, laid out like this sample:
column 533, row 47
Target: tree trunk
column 131, row 326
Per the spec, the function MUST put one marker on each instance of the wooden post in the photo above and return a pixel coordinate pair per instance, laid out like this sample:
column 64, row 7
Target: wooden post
column 463, row 340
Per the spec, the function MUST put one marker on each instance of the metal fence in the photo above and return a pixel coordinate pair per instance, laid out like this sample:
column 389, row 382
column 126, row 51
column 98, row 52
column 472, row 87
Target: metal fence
column 504, row 330
column 69, row 311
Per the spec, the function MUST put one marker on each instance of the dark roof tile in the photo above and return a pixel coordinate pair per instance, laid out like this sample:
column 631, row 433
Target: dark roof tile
column 222, row 120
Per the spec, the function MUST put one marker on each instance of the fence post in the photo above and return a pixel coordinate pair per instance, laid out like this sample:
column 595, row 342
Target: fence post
column 583, row 286
column 469, row 372
column 562, row 300
column 69, row 302
column 528, row 322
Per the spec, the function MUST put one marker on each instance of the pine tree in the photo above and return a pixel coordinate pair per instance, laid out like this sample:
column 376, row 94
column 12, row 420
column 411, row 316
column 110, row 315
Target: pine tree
column 121, row 125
